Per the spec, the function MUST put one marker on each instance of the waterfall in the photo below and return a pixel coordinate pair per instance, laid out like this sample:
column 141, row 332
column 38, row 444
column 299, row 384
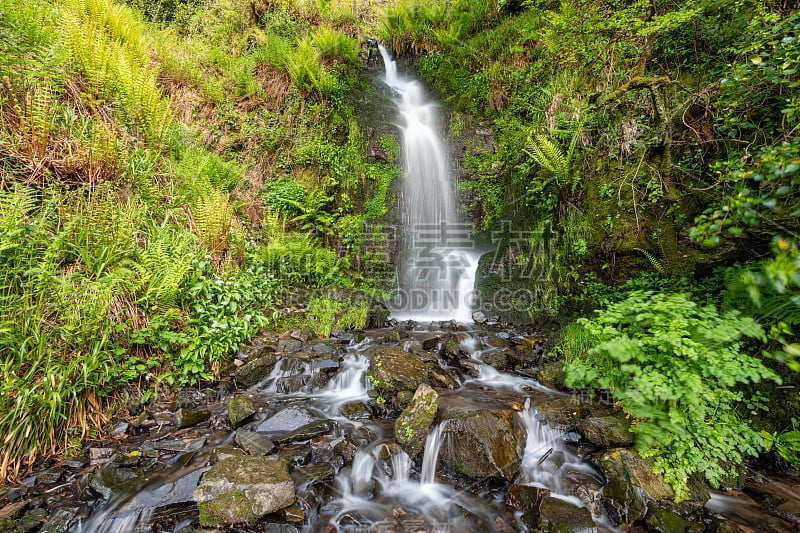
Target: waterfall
column 439, row 262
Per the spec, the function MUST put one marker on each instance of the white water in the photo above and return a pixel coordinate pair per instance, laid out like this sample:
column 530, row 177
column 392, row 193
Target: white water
column 439, row 262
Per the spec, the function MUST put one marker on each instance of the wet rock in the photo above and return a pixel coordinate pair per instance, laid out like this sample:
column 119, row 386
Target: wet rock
column 632, row 484
column 607, row 431
column 558, row 516
column 411, row 427
column 551, row 374
column 179, row 445
column 450, row 348
column 392, row 336
column 255, row 371
column 185, row 418
column 100, row 455
column 289, row 345
column 285, row 420
column 411, row 345
column 562, row 413
column 243, row 489
column 317, row 472
column 660, row 520
column 494, row 342
column 302, row 335
column 484, row 443
column 498, row 358
column 252, row 442
column 119, row 427
column 309, row 431
column 346, row 450
column 429, row 342
column 278, row 528
column 393, row 370
column 49, row 477
column 479, row 318
column 169, row 492
column 77, row 462
column 111, row 481
column 60, row 520
column 441, row 378
column 293, row 513
column 164, row 418
column 30, row 521
column 292, row 384
column 356, row 411
column 239, row 410
column 224, row 452
column 524, row 497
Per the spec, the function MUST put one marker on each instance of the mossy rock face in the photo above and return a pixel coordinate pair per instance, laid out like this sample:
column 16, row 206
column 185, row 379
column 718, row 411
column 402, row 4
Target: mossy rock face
column 559, row 516
column 607, row 431
column 484, row 443
column 632, row 484
column 664, row 521
column 243, row 489
column 411, row 427
column 393, row 370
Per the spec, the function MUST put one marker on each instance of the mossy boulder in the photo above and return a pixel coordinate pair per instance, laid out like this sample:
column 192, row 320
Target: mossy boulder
column 484, row 443
column 411, row 427
column 660, row 520
column 239, row 410
column 607, row 431
column 632, row 484
column 551, row 374
column 554, row 515
column 243, row 489
column 256, row 370
column 393, row 370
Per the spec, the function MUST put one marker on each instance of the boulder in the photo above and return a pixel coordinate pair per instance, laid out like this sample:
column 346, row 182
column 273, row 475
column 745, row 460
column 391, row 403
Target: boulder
column 256, row 370
column 411, row 427
column 393, row 370
column 660, row 520
column 607, row 431
column 551, row 374
column 562, row 413
column 484, row 443
column 185, row 418
column 632, row 484
column 243, row 489
column 555, row 515
column 239, row 410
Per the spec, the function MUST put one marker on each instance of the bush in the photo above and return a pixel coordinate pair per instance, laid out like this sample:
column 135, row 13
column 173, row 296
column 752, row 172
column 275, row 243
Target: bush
column 674, row 366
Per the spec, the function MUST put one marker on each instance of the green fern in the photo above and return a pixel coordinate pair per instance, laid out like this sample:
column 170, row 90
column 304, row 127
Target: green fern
column 551, row 157
column 163, row 265
column 657, row 263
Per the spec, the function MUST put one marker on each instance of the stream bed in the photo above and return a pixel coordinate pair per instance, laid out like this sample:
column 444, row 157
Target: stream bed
column 500, row 453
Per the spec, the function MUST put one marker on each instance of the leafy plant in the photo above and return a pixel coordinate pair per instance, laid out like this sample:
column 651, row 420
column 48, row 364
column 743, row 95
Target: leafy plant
column 674, row 367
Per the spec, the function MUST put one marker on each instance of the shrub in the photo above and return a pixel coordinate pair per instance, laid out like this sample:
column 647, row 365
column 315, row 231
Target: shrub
column 674, row 366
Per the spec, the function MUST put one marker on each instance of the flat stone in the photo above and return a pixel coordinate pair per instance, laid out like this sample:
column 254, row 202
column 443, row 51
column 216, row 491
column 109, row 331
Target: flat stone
column 252, row 442
column 163, row 494
column 243, row 489
column 239, row 410
column 393, row 370
column 286, row 420
column 309, row 431
column 289, row 345
column 180, row 445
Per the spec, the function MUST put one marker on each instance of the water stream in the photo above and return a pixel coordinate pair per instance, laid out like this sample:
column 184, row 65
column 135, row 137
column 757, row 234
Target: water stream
column 438, row 264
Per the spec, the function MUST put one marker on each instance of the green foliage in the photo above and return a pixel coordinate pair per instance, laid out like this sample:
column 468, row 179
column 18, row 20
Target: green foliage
column 284, row 195
column 786, row 443
column 674, row 366
column 334, row 45
column 297, row 259
column 329, row 315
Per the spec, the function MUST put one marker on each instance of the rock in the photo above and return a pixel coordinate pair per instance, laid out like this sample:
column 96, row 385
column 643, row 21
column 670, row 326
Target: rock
column 428, row 342
column 162, row 495
column 60, row 520
column 559, row 516
column 30, row 521
column 479, row 318
column 289, row 345
column 393, row 370
column 484, row 443
column 293, row 513
column 607, row 431
column 410, row 345
column 111, row 481
column 632, row 484
column 562, row 413
column 497, row 358
column 309, row 431
column 317, row 472
column 178, row 445
column 450, row 348
column 119, row 427
column 392, row 336
column 239, row 410
column 551, row 374
column 278, row 528
column 13, row 510
column 224, row 452
column 99, row 455
column 287, row 419
column 524, row 497
column 411, row 427
column 243, row 489
column 441, row 378
column 660, row 520
column 185, row 418
column 256, row 370
column 164, row 418
column 356, row 411
column 252, row 442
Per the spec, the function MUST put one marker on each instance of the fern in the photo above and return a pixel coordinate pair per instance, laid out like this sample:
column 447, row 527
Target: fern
column 163, row 265
column 657, row 263
column 212, row 216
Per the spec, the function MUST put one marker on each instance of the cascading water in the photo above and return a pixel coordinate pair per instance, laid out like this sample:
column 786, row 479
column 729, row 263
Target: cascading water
column 438, row 266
